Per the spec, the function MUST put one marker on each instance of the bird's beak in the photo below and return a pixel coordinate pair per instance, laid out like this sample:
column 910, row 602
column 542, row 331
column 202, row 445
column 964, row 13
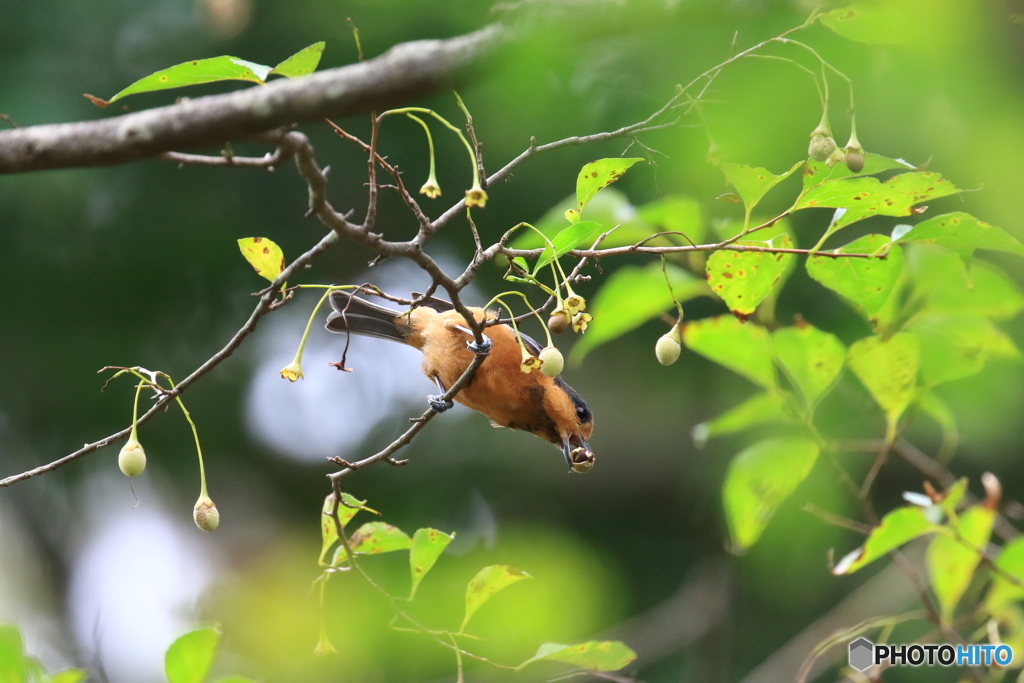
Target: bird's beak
column 577, row 453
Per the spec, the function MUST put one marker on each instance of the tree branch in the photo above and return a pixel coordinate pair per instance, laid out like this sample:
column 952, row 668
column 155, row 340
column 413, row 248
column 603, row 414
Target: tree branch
column 405, row 72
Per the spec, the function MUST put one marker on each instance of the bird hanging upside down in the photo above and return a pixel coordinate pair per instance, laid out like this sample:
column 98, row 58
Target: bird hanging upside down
column 533, row 402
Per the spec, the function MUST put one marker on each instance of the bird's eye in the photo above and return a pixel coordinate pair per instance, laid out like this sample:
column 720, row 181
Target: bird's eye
column 582, row 414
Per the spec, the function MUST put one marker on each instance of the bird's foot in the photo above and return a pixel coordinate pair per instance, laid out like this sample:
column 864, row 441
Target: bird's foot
column 439, row 404
column 480, row 349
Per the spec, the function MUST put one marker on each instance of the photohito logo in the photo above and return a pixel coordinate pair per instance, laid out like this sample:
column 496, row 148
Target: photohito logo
column 864, row 654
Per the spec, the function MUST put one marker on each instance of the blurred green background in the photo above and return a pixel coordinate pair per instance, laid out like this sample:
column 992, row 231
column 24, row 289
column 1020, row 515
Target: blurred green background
column 138, row 264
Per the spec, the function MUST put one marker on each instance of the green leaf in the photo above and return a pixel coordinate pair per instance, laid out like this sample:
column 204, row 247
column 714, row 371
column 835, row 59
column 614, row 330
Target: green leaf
column 753, row 183
column 674, row 213
column 811, row 358
column 597, row 655
column 197, row 71
column 867, row 282
column 939, row 276
column 876, row 22
column 630, row 297
column 759, row 480
column 189, row 658
column 817, row 172
column 486, row 583
column 759, row 409
column 743, row 348
column 1004, row 591
column 598, row 175
column 374, row 538
column 888, row 368
column 427, row 546
column 744, row 278
column 12, row 655
column 957, row 346
column 68, row 676
column 302, row 62
column 939, row 410
column 328, row 529
column 263, row 255
column 582, row 233
column 963, row 233
column 900, row 526
column 610, row 207
column 951, row 563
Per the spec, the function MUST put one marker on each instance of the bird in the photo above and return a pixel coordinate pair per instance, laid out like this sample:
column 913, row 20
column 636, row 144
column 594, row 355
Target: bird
column 499, row 389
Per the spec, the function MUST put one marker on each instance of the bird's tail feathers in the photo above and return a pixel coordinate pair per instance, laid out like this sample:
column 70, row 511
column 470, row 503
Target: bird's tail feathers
column 358, row 316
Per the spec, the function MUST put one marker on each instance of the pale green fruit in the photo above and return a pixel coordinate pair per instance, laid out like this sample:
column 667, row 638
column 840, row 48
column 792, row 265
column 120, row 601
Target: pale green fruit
column 553, row 361
column 205, row 514
column 667, row 349
column 132, row 459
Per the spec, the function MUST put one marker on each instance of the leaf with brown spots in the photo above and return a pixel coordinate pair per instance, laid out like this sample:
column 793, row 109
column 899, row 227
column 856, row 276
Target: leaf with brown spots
column 603, row 655
column 817, row 172
column 263, row 255
column 963, row 233
column 486, row 583
column 923, row 186
column 867, row 282
column 197, row 71
column 859, row 197
column 427, row 546
column 744, row 278
column 753, row 183
column 329, row 530
column 598, row 175
column 374, row 538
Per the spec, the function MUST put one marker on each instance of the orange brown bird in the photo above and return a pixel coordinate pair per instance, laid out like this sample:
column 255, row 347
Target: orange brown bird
column 533, row 402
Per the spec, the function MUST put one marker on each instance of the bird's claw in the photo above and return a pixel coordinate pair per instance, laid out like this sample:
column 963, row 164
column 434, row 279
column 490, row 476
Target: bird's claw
column 439, row 404
column 481, row 349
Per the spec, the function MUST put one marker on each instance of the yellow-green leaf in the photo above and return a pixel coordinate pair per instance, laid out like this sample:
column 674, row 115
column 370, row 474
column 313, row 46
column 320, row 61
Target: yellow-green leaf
column 867, row 282
column 963, row 234
column 811, row 358
column 598, row 175
column 578, row 234
column 263, row 255
column 1003, row 591
column 957, row 346
column 876, row 22
column 744, row 278
column 329, row 530
column 197, row 71
column 817, row 172
column 486, row 583
column 744, row 348
column 759, row 409
column 302, row 62
column 753, row 183
column 427, row 546
column 758, row 481
column 952, row 561
column 374, row 538
column 888, row 368
column 900, row 526
column 189, row 658
column 604, row 655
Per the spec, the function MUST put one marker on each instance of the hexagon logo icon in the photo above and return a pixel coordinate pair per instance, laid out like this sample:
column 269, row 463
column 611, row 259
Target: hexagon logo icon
column 861, row 654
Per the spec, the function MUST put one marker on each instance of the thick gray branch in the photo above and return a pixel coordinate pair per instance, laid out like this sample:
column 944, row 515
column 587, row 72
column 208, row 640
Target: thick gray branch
column 405, row 72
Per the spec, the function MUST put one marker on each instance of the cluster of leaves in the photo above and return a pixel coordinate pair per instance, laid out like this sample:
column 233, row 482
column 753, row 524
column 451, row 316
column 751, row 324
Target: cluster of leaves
column 18, row 667
column 340, row 550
